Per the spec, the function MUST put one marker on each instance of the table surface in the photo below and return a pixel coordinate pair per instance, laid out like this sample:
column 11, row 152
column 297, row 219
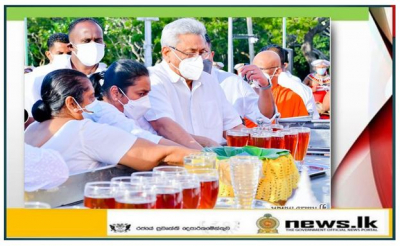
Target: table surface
column 320, row 185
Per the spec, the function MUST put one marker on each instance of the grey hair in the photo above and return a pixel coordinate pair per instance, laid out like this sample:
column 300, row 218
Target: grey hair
column 170, row 33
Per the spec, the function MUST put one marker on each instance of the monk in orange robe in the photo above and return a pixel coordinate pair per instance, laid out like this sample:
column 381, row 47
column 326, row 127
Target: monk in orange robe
column 289, row 103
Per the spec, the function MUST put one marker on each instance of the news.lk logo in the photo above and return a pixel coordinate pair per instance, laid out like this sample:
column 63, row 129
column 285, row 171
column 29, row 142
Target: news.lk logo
column 363, row 223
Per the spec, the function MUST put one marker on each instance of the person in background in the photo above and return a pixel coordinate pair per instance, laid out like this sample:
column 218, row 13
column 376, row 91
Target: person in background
column 320, row 82
column 239, row 93
column 87, row 49
column 58, row 51
column 58, row 54
column 320, row 77
column 122, row 91
column 187, row 105
column 44, row 169
column 84, row 144
column 286, row 79
column 289, row 104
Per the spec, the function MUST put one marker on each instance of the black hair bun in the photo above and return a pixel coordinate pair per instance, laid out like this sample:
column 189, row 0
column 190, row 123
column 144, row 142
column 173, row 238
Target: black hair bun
column 41, row 111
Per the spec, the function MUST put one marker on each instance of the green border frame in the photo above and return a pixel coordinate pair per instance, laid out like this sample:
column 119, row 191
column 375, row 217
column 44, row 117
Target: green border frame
column 337, row 13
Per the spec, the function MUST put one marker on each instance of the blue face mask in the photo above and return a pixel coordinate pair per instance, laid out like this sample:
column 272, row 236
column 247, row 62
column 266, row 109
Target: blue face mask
column 321, row 71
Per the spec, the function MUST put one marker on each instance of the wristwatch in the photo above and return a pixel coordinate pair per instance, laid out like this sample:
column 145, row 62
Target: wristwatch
column 265, row 87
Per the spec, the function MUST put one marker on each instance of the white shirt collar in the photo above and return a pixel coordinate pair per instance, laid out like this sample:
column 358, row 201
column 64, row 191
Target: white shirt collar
column 174, row 77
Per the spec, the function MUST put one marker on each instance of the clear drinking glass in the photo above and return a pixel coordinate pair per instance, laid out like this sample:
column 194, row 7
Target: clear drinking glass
column 302, row 145
column 200, row 160
column 36, row 205
column 237, row 138
column 135, row 196
column 245, row 174
column 99, row 195
column 209, row 186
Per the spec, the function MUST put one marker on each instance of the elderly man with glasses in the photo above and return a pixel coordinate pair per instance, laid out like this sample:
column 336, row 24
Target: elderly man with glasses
column 187, row 104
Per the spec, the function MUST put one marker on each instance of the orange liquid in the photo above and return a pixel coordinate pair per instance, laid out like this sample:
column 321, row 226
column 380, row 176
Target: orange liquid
column 191, row 197
column 237, row 141
column 291, row 143
column 277, row 142
column 145, row 205
column 302, row 146
column 209, row 194
column 99, row 203
column 274, row 129
column 262, row 142
column 169, row 200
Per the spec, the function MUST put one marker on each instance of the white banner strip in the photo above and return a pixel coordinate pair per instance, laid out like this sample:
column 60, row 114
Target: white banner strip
column 250, row 223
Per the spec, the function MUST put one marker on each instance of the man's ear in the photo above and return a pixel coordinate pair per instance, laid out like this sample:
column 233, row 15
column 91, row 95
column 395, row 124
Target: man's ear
column 48, row 55
column 165, row 53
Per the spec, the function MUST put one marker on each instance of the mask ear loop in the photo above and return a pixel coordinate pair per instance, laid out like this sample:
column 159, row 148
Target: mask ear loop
column 124, row 95
column 80, row 108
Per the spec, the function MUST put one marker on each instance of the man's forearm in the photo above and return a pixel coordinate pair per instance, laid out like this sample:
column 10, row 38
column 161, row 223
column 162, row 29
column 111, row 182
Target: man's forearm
column 169, row 129
column 266, row 103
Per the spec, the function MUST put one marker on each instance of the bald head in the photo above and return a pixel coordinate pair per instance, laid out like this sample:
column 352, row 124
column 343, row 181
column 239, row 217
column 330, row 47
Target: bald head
column 267, row 59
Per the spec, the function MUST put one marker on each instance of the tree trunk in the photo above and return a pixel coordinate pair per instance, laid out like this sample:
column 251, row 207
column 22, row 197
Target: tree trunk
column 307, row 48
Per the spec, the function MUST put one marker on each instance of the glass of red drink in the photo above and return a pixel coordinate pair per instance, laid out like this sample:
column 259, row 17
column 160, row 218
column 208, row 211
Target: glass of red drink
column 144, row 177
column 134, row 197
column 276, row 127
column 260, row 139
column 209, row 186
column 168, row 193
column 99, row 195
column 190, row 190
column 237, row 138
column 165, row 170
column 291, row 137
column 277, row 140
column 302, row 145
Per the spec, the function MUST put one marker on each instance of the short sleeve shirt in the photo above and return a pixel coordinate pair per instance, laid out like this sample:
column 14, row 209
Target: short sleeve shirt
column 203, row 110
column 86, row 145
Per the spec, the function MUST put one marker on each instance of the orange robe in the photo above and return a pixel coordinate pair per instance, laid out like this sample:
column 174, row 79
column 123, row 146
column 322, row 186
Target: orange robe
column 288, row 102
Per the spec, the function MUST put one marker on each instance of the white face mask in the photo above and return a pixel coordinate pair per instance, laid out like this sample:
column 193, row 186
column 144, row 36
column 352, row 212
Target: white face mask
column 94, row 109
column 270, row 77
column 190, row 68
column 321, row 71
column 87, row 109
column 90, row 54
column 61, row 61
column 135, row 109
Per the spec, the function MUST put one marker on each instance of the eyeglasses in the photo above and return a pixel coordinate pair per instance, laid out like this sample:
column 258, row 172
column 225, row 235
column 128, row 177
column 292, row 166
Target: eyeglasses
column 268, row 68
column 204, row 54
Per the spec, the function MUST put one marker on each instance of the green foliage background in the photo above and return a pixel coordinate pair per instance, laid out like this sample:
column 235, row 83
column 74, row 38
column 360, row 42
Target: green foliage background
column 124, row 38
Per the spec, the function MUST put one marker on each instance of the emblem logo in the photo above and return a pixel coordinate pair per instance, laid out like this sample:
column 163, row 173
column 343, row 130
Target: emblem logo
column 267, row 224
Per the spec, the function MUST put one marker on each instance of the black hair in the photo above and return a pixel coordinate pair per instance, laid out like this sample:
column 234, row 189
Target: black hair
column 208, row 39
column 77, row 21
column 283, row 54
column 122, row 73
column 56, row 87
column 57, row 37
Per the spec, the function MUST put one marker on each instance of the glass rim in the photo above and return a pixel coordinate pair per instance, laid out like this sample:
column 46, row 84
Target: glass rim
column 301, row 129
column 93, row 184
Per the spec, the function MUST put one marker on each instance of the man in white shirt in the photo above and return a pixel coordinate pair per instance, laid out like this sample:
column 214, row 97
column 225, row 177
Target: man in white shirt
column 87, row 48
column 187, row 105
column 286, row 79
column 242, row 96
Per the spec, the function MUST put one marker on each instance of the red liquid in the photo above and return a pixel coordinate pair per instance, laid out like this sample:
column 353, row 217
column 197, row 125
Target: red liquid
column 170, row 199
column 277, row 142
column 237, row 141
column 191, row 197
column 291, row 143
column 102, row 203
column 276, row 128
column 262, row 142
column 209, row 194
column 148, row 205
column 302, row 146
